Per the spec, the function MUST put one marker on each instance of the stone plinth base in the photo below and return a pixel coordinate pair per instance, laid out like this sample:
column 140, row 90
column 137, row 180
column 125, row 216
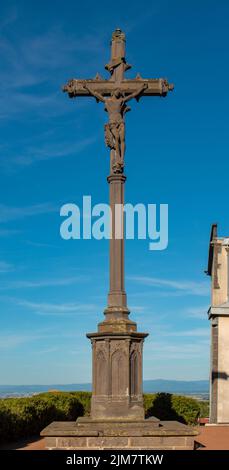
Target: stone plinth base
column 86, row 434
column 117, row 373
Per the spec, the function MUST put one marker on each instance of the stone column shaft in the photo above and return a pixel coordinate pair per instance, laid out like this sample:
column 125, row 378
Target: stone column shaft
column 117, row 295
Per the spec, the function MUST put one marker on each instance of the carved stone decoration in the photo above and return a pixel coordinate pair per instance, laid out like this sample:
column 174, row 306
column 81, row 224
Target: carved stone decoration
column 117, row 163
column 135, row 368
column 118, row 375
column 109, row 140
column 134, row 373
column 102, row 346
column 101, row 370
column 98, row 77
column 136, row 347
column 118, row 346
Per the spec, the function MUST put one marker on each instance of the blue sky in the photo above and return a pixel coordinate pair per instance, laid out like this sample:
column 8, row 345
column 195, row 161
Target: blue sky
column 52, row 152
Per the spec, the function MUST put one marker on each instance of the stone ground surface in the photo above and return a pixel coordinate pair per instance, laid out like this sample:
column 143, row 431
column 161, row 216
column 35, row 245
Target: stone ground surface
column 211, row 438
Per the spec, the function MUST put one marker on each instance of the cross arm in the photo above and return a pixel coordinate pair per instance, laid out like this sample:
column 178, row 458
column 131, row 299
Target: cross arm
column 155, row 87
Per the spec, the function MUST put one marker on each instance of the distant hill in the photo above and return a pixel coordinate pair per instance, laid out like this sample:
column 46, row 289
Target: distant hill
column 176, row 386
column 193, row 387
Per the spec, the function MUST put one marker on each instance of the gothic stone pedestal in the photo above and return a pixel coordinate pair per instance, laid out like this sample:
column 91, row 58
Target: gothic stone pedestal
column 117, row 375
column 117, row 413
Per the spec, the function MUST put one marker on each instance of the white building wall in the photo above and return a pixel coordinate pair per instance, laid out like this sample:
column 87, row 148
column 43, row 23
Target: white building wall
column 223, row 370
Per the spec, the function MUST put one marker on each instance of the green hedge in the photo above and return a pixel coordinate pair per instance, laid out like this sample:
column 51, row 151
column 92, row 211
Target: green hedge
column 83, row 397
column 23, row 417
column 204, row 408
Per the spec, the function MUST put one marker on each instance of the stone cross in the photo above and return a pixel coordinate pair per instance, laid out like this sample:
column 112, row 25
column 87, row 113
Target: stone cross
column 115, row 93
column 117, row 346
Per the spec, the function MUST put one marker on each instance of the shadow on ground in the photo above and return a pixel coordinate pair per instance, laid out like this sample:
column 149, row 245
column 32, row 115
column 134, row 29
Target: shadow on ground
column 34, row 441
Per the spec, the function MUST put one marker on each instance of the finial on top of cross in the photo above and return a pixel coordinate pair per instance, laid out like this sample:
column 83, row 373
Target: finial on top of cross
column 118, row 33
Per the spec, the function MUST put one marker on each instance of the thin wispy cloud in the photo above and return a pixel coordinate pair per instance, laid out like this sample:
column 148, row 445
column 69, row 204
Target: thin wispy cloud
column 197, row 312
column 182, row 351
column 182, row 286
column 138, row 308
column 29, row 67
column 194, row 332
column 27, row 284
column 48, row 152
column 59, row 309
column 6, row 267
column 47, row 351
column 8, row 232
column 39, row 61
column 39, row 244
column 131, row 24
column 55, row 48
column 9, row 341
column 9, row 18
column 13, row 340
column 9, row 213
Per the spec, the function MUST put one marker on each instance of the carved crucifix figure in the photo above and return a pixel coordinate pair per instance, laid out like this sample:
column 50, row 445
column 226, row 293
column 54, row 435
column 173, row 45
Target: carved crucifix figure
column 116, row 107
